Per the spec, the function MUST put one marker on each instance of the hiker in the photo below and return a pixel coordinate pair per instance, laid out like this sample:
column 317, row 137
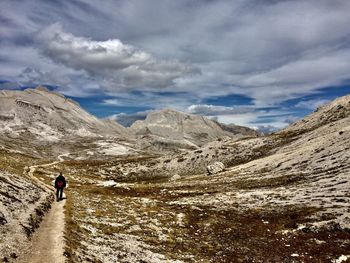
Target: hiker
column 60, row 184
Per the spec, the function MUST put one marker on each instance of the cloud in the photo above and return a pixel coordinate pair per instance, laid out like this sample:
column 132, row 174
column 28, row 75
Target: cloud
column 213, row 110
column 291, row 119
column 150, row 99
column 250, row 116
column 311, row 104
column 8, row 85
column 127, row 120
column 190, row 50
column 121, row 65
column 266, row 129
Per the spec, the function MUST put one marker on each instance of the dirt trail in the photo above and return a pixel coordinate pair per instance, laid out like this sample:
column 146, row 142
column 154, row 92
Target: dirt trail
column 48, row 241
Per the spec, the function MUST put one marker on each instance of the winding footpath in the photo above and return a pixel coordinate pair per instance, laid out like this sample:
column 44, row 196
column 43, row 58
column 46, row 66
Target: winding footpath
column 47, row 245
column 48, row 240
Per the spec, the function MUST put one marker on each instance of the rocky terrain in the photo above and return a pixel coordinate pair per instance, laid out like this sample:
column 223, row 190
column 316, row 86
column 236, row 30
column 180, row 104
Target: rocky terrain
column 172, row 130
column 289, row 191
column 282, row 197
column 44, row 123
column 23, row 203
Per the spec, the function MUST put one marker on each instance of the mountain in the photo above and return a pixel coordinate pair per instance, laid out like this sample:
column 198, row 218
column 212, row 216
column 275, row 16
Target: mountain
column 168, row 127
column 320, row 139
column 330, row 112
column 239, row 130
column 38, row 121
column 43, row 123
column 288, row 190
column 49, row 116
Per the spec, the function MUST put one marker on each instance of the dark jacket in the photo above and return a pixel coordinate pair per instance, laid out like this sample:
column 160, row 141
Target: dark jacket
column 60, row 182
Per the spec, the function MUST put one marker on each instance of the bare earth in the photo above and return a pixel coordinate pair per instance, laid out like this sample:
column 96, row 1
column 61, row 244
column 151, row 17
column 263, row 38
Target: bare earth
column 48, row 242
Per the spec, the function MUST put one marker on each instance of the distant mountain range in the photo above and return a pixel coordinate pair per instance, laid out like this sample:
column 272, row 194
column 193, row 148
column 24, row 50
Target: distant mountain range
column 39, row 115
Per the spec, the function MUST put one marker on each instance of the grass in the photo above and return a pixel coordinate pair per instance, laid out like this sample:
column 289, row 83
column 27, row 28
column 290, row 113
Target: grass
column 16, row 162
column 205, row 234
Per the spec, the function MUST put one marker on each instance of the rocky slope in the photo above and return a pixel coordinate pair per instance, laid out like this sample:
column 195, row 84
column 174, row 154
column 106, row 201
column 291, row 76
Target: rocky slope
column 49, row 116
column 23, row 203
column 289, row 191
column 327, row 126
column 43, row 123
column 328, row 113
column 173, row 129
column 46, row 124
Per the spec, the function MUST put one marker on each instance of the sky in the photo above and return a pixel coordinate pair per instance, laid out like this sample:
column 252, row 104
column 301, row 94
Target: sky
column 257, row 63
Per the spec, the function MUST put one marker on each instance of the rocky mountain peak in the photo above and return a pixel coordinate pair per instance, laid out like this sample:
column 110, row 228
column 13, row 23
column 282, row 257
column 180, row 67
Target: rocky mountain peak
column 330, row 112
column 182, row 128
column 47, row 116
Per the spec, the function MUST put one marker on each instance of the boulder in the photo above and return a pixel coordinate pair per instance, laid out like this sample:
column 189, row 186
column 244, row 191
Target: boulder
column 3, row 220
column 175, row 177
column 110, row 183
column 215, row 168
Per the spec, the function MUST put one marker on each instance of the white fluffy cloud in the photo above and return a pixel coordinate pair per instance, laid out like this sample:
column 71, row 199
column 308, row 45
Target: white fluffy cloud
column 214, row 110
column 249, row 116
column 127, row 120
column 119, row 65
column 270, row 51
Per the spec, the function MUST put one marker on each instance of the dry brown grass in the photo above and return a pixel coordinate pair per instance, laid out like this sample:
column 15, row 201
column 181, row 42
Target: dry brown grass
column 207, row 233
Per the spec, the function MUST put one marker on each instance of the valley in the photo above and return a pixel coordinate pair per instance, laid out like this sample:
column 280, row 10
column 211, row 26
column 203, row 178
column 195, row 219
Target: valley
column 146, row 195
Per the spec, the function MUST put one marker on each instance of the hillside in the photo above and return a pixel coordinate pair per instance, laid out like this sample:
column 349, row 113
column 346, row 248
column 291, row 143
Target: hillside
column 288, row 190
column 43, row 123
column 24, row 200
column 48, row 116
column 170, row 129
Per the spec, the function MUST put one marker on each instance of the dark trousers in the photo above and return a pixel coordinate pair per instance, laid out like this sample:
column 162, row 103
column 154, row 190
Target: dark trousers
column 59, row 193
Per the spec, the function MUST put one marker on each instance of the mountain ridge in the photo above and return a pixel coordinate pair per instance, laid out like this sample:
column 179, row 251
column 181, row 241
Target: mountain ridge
column 42, row 115
column 188, row 128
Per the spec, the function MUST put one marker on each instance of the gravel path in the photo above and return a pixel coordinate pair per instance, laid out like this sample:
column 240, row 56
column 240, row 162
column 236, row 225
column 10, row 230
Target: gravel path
column 48, row 241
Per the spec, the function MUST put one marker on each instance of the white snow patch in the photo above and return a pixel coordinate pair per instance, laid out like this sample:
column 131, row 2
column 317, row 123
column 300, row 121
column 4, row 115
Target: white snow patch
column 44, row 132
column 109, row 183
column 113, row 148
column 341, row 259
column 180, row 218
column 82, row 132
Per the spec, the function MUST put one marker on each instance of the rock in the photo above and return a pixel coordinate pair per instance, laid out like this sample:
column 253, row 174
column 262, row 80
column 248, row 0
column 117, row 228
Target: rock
column 342, row 258
column 175, row 177
column 110, row 183
column 215, row 168
column 3, row 220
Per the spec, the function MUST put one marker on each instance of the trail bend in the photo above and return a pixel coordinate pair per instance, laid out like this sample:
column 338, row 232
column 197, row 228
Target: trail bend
column 47, row 244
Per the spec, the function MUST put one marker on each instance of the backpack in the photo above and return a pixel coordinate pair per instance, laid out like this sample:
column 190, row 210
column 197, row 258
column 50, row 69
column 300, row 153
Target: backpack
column 59, row 184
